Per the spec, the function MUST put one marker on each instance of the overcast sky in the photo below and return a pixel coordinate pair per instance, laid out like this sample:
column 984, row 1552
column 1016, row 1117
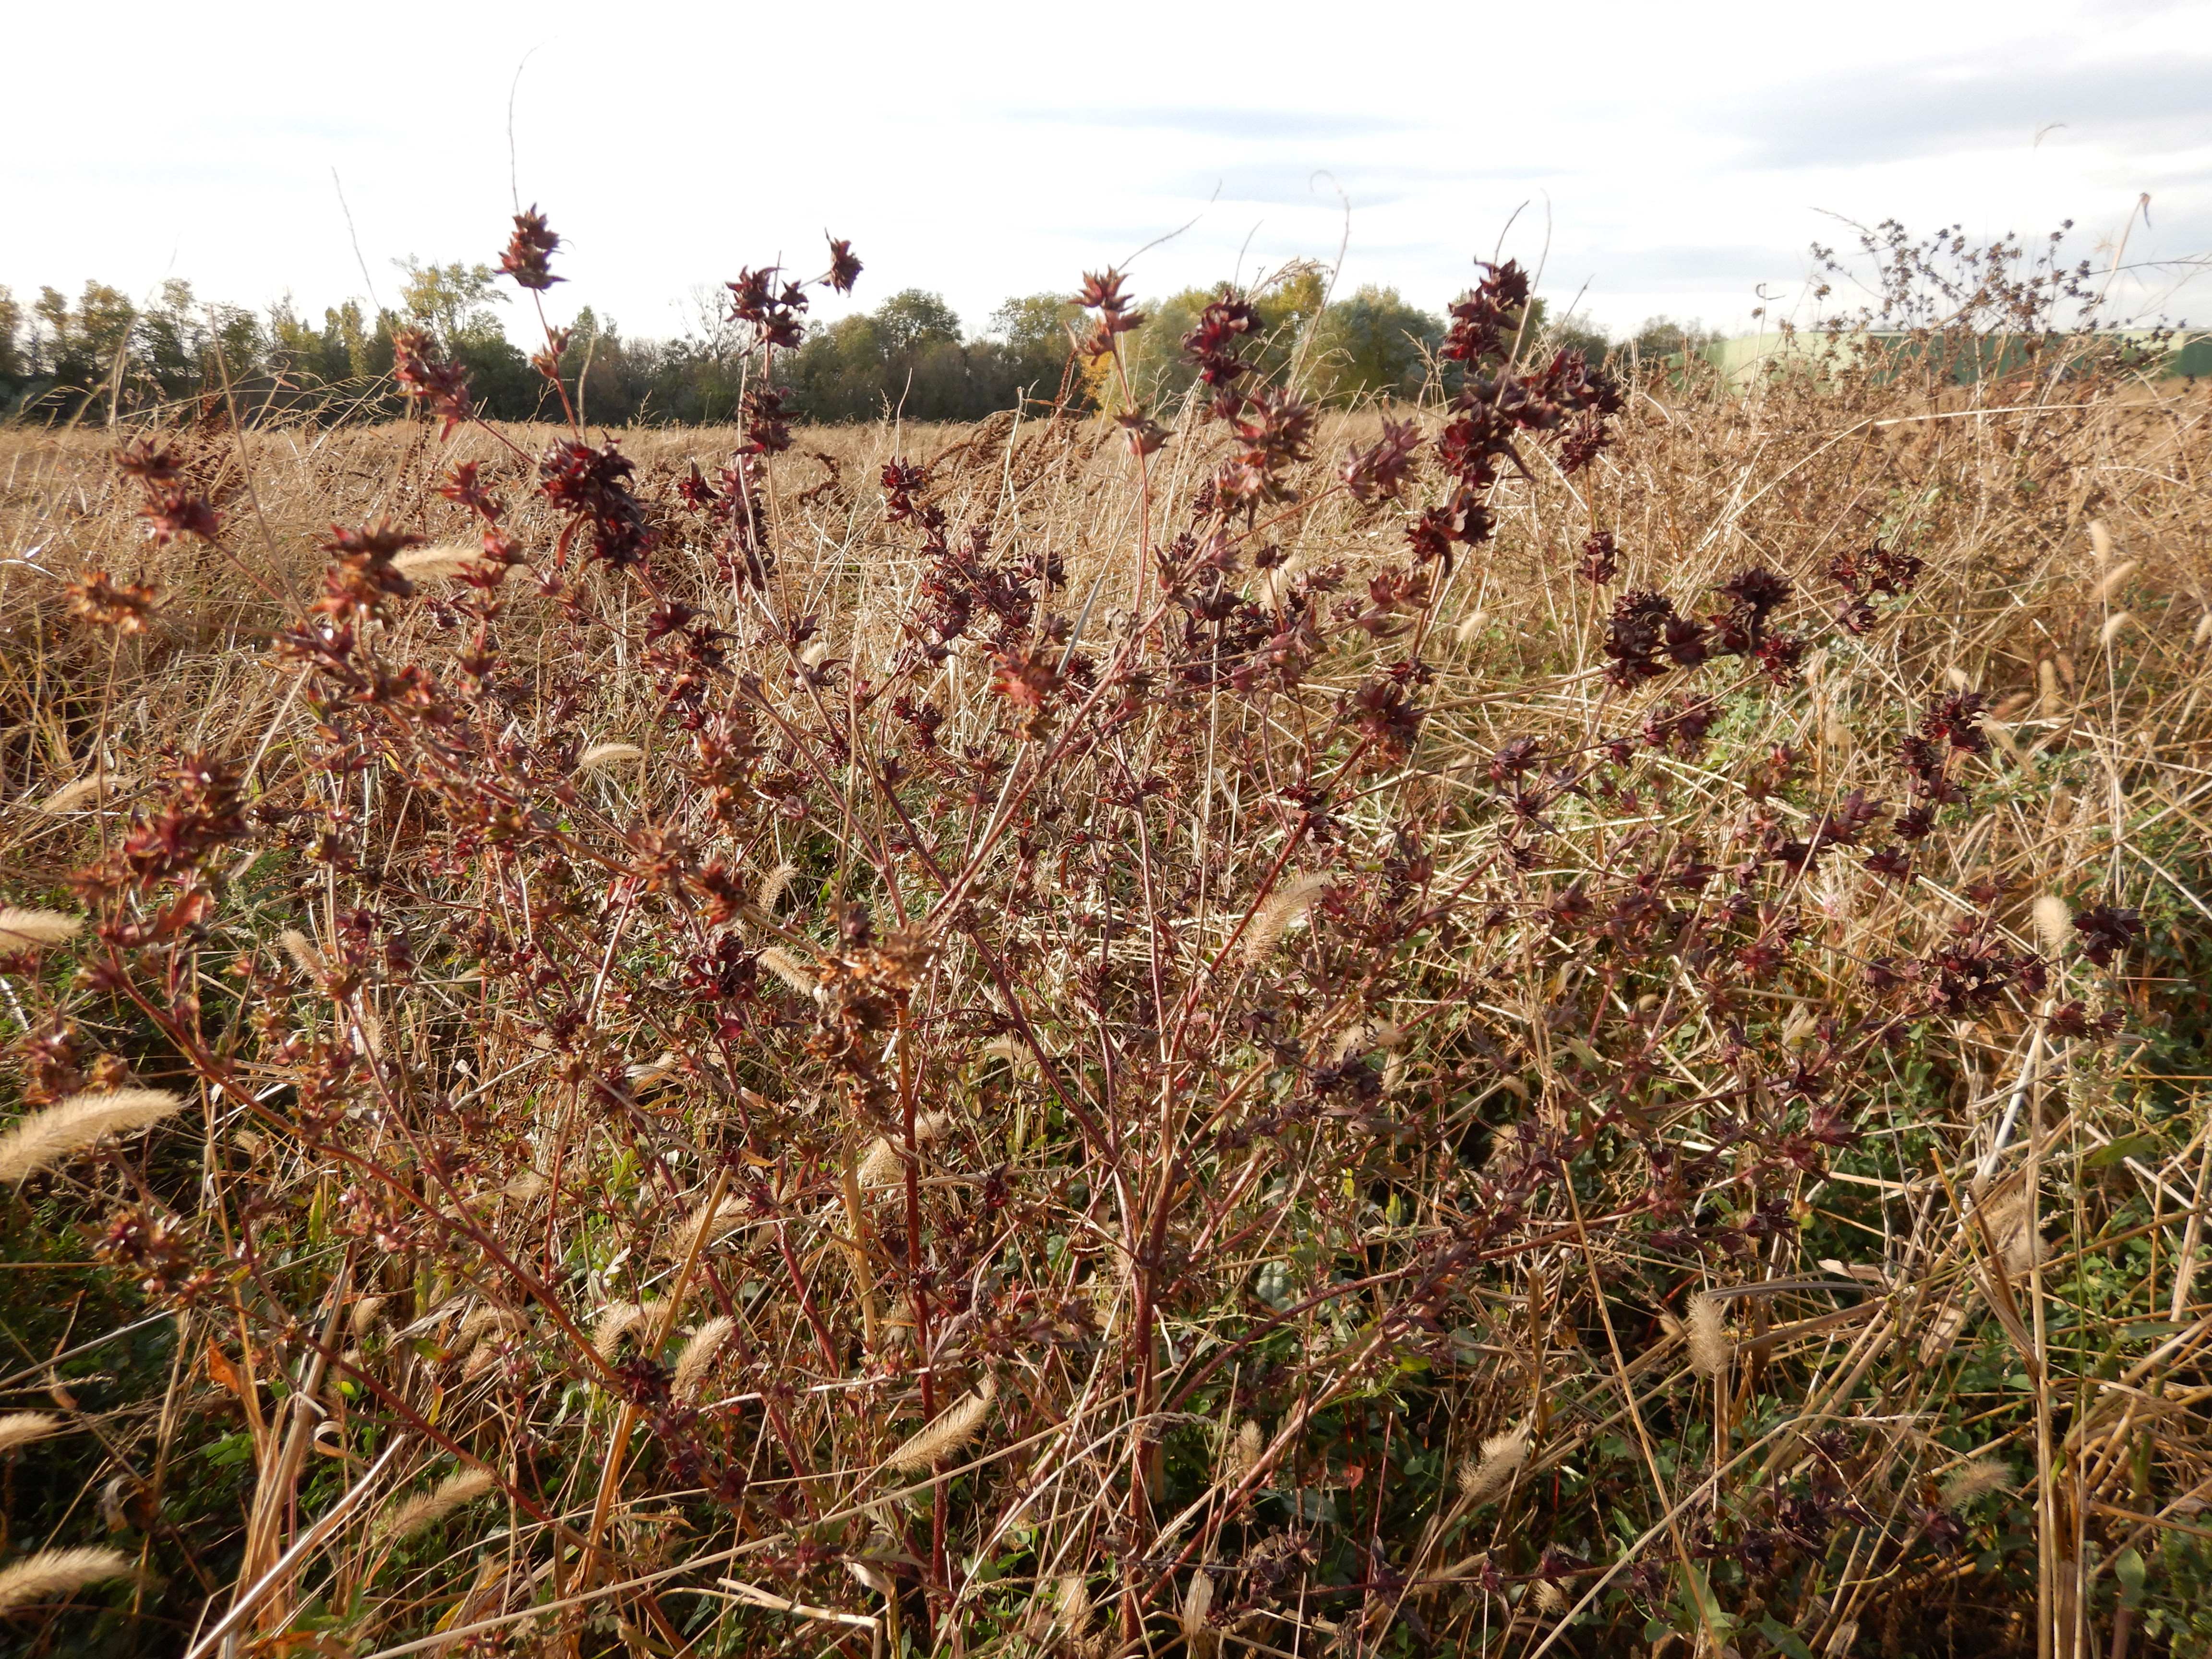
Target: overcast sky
column 1659, row 157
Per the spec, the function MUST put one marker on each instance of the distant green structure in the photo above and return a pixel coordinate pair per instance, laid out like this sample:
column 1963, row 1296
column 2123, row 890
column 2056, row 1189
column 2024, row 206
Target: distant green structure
column 1749, row 357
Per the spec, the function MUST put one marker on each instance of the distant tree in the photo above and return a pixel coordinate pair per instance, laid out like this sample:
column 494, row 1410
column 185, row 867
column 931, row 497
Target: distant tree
column 1660, row 337
column 912, row 320
column 353, row 348
column 453, row 301
column 908, row 356
column 15, row 367
column 182, row 347
column 1373, row 344
column 82, row 347
column 1285, row 306
column 1032, row 331
column 1579, row 333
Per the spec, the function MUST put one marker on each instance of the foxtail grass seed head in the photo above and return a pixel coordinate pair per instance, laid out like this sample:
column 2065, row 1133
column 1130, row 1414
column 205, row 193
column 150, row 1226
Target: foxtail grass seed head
column 439, row 562
column 29, row 930
column 2054, row 923
column 788, row 969
column 70, row 796
column 425, row 1509
column 20, row 1428
column 2203, row 632
column 2011, row 1222
column 775, row 884
column 1485, row 1477
column 2100, row 540
column 1074, row 1598
column 2115, row 625
column 302, row 949
column 1704, row 1328
column 1976, row 1478
column 1199, row 1636
column 2112, row 581
column 1292, row 898
column 703, row 1228
column 40, row 1140
column 52, row 1574
column 366, row 1315
column 883, row 1166
column 954, row 1428
column 616, row 1320
column 1243, row 1453
column 607, row 754
column 697, row 1356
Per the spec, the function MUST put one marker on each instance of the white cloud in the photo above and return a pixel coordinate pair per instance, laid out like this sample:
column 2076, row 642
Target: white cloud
column 1669, row 157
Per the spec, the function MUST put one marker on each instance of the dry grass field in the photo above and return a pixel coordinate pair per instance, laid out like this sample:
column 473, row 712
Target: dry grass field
column 1035, row 1056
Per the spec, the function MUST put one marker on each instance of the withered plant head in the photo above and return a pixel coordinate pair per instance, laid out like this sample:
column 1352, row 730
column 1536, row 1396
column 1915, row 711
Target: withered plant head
column 529, row 254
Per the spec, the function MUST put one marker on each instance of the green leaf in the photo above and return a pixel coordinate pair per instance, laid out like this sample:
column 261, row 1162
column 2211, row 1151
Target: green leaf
column 2125, row 1147
column 2143, row 1329
column 2128, row 1568
column 1785, row 1638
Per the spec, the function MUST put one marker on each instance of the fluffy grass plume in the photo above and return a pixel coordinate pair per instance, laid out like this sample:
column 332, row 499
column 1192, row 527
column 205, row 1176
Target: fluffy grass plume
column 704, row 1228
column 620, row 1319
column 302, row 950
column 954, row 1428
column 1976, row 1478
column 2011, row 1222
column 696, row 1357
column 2054, row 923
column 882, row 1166
column 1073, row 1612
column 426, row 1509
column 44, row 1138
column 1199, row 1636
column 607, row 754
column 2112, row 581
column 439, row 561
column 366, row 1315
column 20, row 1428
column 22, row 929
column 52, row 1573
column 1705, row 1331
column 66, row 799
column 1243, row 1454
column 1483, row 1478
column 788, row 969
column 775, row 884
column 1293, row 897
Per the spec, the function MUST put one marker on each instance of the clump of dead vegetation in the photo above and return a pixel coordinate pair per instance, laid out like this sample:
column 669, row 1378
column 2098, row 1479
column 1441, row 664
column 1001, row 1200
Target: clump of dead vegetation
column 1566, row 1019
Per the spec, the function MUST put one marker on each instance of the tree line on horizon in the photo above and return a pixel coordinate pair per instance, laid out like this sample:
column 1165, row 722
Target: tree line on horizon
column 911, row 355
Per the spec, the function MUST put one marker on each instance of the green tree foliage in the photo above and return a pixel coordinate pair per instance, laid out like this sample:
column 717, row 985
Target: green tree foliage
column 1663, row 336
column 184, row 346
column 910, row 355
column 80, row 347
column 453, row 301
column 14, row 369
column 1373, row 344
